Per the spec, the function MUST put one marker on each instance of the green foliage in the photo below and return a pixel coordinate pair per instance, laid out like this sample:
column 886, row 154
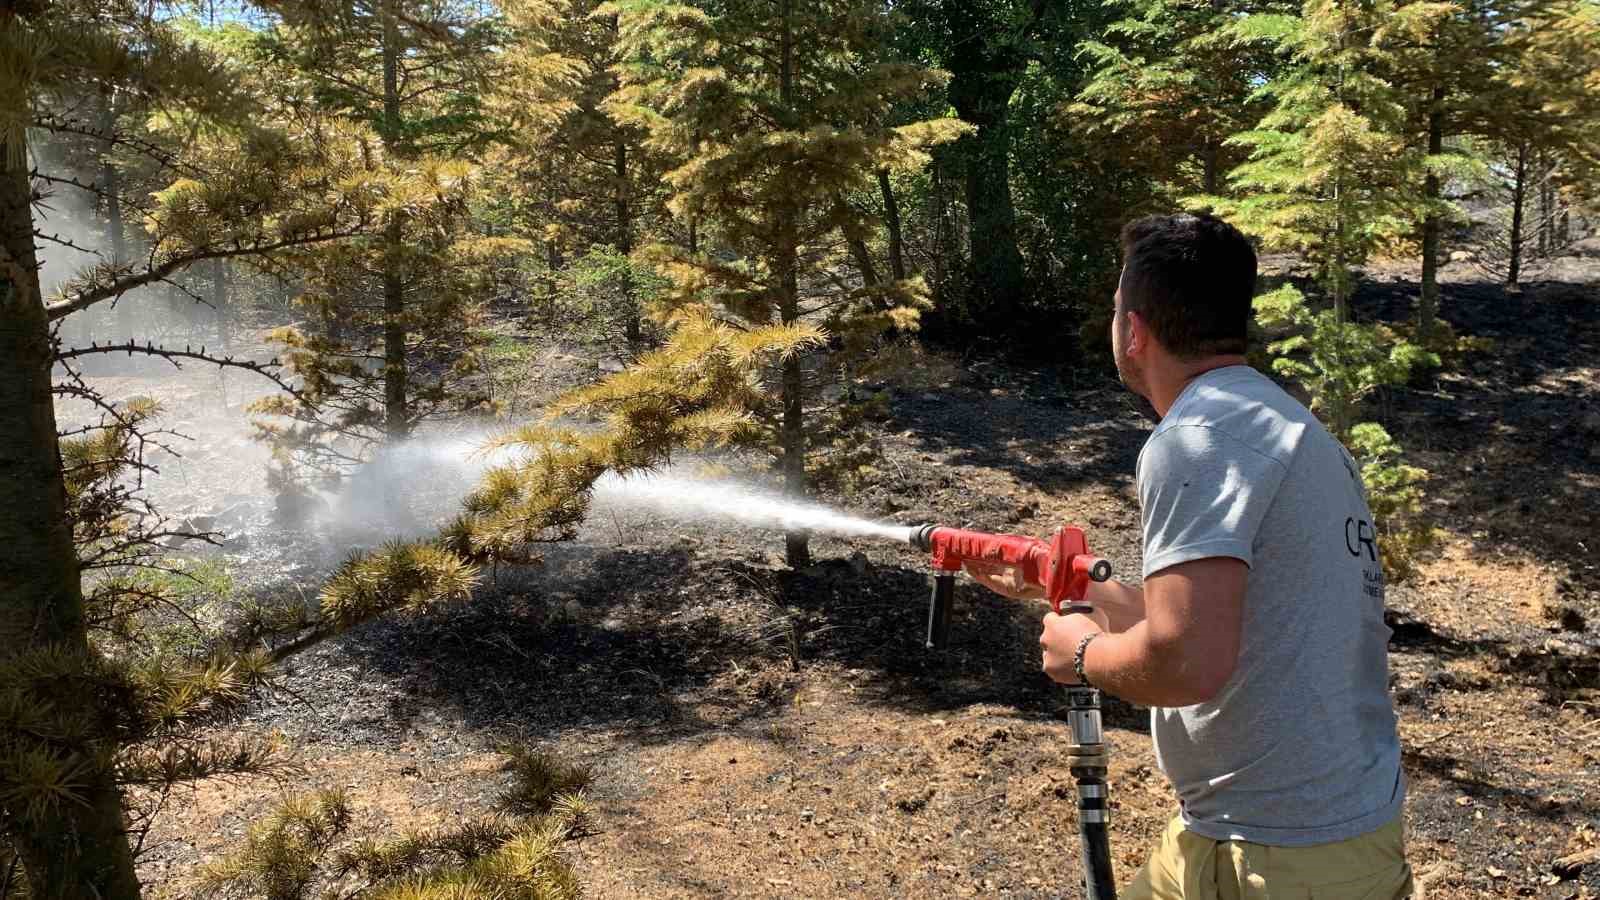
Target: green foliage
column 598, row 297
column 142, row 714
column 1340, row 364
column 1395, row 495
column 701, row 391
column 395, row 312
column 1175, row 80
column 443, row 274
column 1330, row 174
column 514, row 854
column 1444, row 342
column 767, row 155
column 279, row 859
column 1334, row 175
column 541, row 782
column 408, row 576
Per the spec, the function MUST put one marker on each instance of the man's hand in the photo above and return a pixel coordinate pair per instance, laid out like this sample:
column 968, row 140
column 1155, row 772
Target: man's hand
column 1007, row 581
column 1060, row 641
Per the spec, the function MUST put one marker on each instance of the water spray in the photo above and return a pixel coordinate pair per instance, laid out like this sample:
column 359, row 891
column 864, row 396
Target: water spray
column 1064, row 567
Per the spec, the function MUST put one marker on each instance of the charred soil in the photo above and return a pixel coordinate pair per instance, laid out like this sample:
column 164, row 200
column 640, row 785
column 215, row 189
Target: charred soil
column 760, row 732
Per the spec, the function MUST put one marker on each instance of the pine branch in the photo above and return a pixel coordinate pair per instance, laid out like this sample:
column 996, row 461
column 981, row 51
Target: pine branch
column 63, row 125
column 66, row 242
column 189, row 292
column 266, row 370
column 159, row 272
column 86, row 186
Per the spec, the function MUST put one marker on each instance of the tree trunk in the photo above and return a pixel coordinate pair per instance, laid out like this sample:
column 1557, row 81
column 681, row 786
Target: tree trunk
column 219, row 298
column 1519, row 196
column 633, row 325
column 891, row 220
column 111, row 179
column 981, row 93
column 73, row 850
column 797, row 544
column 1547, row 202
column 856, row 241
column 1210, row 156
column 1428, row 306
column 396, row 421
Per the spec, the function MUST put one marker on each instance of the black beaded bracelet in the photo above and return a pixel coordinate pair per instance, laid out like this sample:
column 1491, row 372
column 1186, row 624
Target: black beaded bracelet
column 1077, row 658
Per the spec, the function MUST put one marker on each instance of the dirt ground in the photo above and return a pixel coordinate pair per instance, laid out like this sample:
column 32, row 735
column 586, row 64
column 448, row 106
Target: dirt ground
column 663, row 655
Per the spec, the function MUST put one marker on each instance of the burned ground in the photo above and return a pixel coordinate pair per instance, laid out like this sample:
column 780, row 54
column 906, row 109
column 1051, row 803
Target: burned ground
column 758, row 732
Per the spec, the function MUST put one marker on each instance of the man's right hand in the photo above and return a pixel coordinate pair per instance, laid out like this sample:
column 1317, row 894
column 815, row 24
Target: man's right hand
column 1007, row 581
column 1122, row 604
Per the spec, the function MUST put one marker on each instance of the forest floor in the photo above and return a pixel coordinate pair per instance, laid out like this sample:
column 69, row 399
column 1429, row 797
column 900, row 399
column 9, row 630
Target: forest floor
column 662, row 654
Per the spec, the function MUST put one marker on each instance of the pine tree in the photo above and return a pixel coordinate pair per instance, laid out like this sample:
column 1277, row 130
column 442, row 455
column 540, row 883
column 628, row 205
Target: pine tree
column 87, row 706
column 1332, row 177
column 1542, row 117
column 776, row 109
column 988, row 49
column 1466, row 66
column 598, row 189
column 60, row 809
column 307, row 846
column 1172, row 79
column 419, row 77
column 1330, row 174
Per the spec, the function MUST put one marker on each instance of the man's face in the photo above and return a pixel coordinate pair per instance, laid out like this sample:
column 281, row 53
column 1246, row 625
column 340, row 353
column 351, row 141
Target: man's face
column 1121, row 338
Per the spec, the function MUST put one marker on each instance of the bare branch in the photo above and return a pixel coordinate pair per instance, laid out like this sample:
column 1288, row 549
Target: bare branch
column 66, row 242
column 86, row 186
column 267, row 370
column 159, row 271
column 63, row 125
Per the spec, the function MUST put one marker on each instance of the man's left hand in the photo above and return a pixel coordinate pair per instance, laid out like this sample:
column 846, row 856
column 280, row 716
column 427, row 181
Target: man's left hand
column 1060, row 641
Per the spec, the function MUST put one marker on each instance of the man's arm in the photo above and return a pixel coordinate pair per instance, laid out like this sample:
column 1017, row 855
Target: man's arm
column 1123, row 604
column 1183, row 651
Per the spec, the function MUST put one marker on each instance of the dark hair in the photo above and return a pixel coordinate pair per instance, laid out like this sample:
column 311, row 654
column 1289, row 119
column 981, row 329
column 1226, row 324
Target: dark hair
column 1192, row 277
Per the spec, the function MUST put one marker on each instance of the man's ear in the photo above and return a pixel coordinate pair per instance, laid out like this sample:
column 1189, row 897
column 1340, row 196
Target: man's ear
column 1138, row 334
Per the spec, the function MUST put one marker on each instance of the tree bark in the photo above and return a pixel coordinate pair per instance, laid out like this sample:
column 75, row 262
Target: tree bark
column 111, row 179
column 891, row 221
column 396, row 420
column 1428, row 305
column 73, row 850
column 219, row 298
column 1210, row 156
column 984, row 72
column 1547, row 202
column 797, row 544
column 633, row 325
column 856, row 241
column 1519, row 196
column 980, row 91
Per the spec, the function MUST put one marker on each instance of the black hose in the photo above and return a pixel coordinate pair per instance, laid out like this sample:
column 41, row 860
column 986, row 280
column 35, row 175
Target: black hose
column 1088, row 753
column 1094, row 835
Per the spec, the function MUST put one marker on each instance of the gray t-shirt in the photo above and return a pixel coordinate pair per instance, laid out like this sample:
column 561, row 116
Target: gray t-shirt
column 1300, row 745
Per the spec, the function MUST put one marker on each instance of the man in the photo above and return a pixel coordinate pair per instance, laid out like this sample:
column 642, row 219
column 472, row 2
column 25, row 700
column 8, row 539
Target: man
column 1257, row 639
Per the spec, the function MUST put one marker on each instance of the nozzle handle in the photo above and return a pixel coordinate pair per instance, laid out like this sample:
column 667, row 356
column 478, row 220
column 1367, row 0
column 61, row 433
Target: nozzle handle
column 940, row 607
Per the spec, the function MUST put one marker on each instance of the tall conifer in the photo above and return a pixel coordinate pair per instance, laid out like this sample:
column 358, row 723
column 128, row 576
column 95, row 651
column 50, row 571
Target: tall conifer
column 776, row 108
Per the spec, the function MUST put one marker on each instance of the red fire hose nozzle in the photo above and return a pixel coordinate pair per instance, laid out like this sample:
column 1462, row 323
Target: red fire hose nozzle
column 1063, row 566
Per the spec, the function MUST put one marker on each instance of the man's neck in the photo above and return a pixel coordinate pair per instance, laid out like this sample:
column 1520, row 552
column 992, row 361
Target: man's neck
column 1166, row 386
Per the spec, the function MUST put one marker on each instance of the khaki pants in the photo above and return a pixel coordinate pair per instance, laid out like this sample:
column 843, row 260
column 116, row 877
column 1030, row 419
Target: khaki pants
column 1186, row 866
